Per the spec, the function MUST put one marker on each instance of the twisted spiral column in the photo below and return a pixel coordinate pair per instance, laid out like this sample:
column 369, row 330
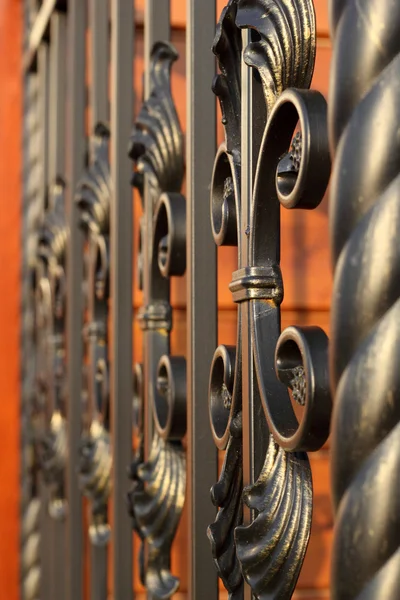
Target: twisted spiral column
column 364, row 123
column 30, row 555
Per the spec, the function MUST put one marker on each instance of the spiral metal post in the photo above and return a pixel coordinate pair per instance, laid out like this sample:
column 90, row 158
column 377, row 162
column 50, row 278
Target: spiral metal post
column 364, row 124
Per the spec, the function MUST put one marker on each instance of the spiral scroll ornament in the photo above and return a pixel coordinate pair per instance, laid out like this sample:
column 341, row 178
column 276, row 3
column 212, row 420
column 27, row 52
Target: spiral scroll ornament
column 50, row 315
column 364, row 122
column 93, row 197
column 293, row 170
column 157, row 496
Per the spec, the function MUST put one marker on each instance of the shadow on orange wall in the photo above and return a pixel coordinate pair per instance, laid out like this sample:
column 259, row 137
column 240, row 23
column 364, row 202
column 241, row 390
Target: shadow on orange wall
column 10, row 231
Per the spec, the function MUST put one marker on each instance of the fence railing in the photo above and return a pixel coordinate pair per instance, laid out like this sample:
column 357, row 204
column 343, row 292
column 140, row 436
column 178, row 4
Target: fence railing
column 117, row 437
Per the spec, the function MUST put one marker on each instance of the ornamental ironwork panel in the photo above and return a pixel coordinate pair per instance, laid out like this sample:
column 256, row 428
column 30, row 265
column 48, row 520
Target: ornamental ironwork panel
column 159, row 471
column 88, row 410
column 93, row 196
column 364, row 117
column 292, row 171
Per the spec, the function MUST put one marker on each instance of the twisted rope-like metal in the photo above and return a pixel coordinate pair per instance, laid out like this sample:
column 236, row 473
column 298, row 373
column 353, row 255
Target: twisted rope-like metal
column 364, row 121
column 30, row 556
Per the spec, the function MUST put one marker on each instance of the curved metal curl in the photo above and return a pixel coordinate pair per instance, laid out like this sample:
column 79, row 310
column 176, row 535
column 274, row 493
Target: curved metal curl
column 293, row 171
column 156, row 499
column 93, row 196
column 50, row 314
column 364, row 120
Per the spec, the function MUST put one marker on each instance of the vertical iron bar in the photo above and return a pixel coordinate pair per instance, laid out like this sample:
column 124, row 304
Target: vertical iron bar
column 255, row 431
column 56, row 158
column 43, row 80
column 75, row 164
column 157, row 28
column 121, row 215
column 99, row 105
column 57, row 129
column 201, row 295
column 99, row 37
column 43, row 109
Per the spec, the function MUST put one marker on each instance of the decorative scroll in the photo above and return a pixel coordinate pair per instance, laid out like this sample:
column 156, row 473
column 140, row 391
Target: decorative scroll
column 93, row 196
column 364, row 121
column 50, row 326
column 293, row 171
column 159, row 479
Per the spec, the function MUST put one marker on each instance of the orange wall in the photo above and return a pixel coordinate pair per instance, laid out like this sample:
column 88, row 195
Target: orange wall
column 10, row 202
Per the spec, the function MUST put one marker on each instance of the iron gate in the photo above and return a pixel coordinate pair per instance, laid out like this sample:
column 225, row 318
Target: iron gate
column 112, row 445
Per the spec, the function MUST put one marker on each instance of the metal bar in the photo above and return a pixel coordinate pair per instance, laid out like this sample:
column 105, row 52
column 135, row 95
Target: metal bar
column 99, row 112
column 157, row 28
column 122, row 27
column 99, row 38
column 57, row 106
column 201, row 296
column 76, row 148
column 98, row 569
column 39, row 30
column 56, row 168
column 43, row 80
column 43, row 67
column 255, row 431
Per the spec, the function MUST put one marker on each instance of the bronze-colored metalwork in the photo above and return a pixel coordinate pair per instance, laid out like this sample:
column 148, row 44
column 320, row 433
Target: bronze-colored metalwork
column 50, row 315
column 364, row 121
column 158, row 491
column 292, row 171
column 93, row 196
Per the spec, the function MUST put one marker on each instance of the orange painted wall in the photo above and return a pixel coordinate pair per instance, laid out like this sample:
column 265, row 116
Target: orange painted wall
column 10, row 218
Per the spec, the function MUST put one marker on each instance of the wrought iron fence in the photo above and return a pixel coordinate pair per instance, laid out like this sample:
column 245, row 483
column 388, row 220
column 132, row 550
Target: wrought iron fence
column 114, row 445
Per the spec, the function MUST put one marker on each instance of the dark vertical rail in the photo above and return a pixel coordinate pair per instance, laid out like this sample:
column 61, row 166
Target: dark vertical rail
column 122, row 34
column 76, row 148
column 99, row 38
column 365, row 345
column 255, row 430
column 43, row 70
column 156, row 29
column 99, row 105
column 56, row 168
column 201, row 294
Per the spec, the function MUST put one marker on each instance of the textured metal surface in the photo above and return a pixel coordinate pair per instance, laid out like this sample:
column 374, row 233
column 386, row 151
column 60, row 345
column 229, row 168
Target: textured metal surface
column 31, row 506
column 158, row 491
column 94, row 195
column 256, row 170
column 364, row 119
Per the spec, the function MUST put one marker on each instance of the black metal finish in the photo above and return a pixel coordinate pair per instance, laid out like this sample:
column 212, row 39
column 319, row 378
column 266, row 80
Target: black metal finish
column 122, row 38
column 364, row 119
column 201, row 295
column 94, row 195
column 76, row 150
column 269, row 397
column 269, row 549
column 158, row 492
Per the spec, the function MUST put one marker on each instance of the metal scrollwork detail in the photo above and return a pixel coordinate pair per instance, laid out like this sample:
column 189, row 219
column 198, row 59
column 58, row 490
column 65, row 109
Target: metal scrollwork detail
column 364, row 120
column 50, row 315
column 293, row 171
column 93, row 197
column 159, row 480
